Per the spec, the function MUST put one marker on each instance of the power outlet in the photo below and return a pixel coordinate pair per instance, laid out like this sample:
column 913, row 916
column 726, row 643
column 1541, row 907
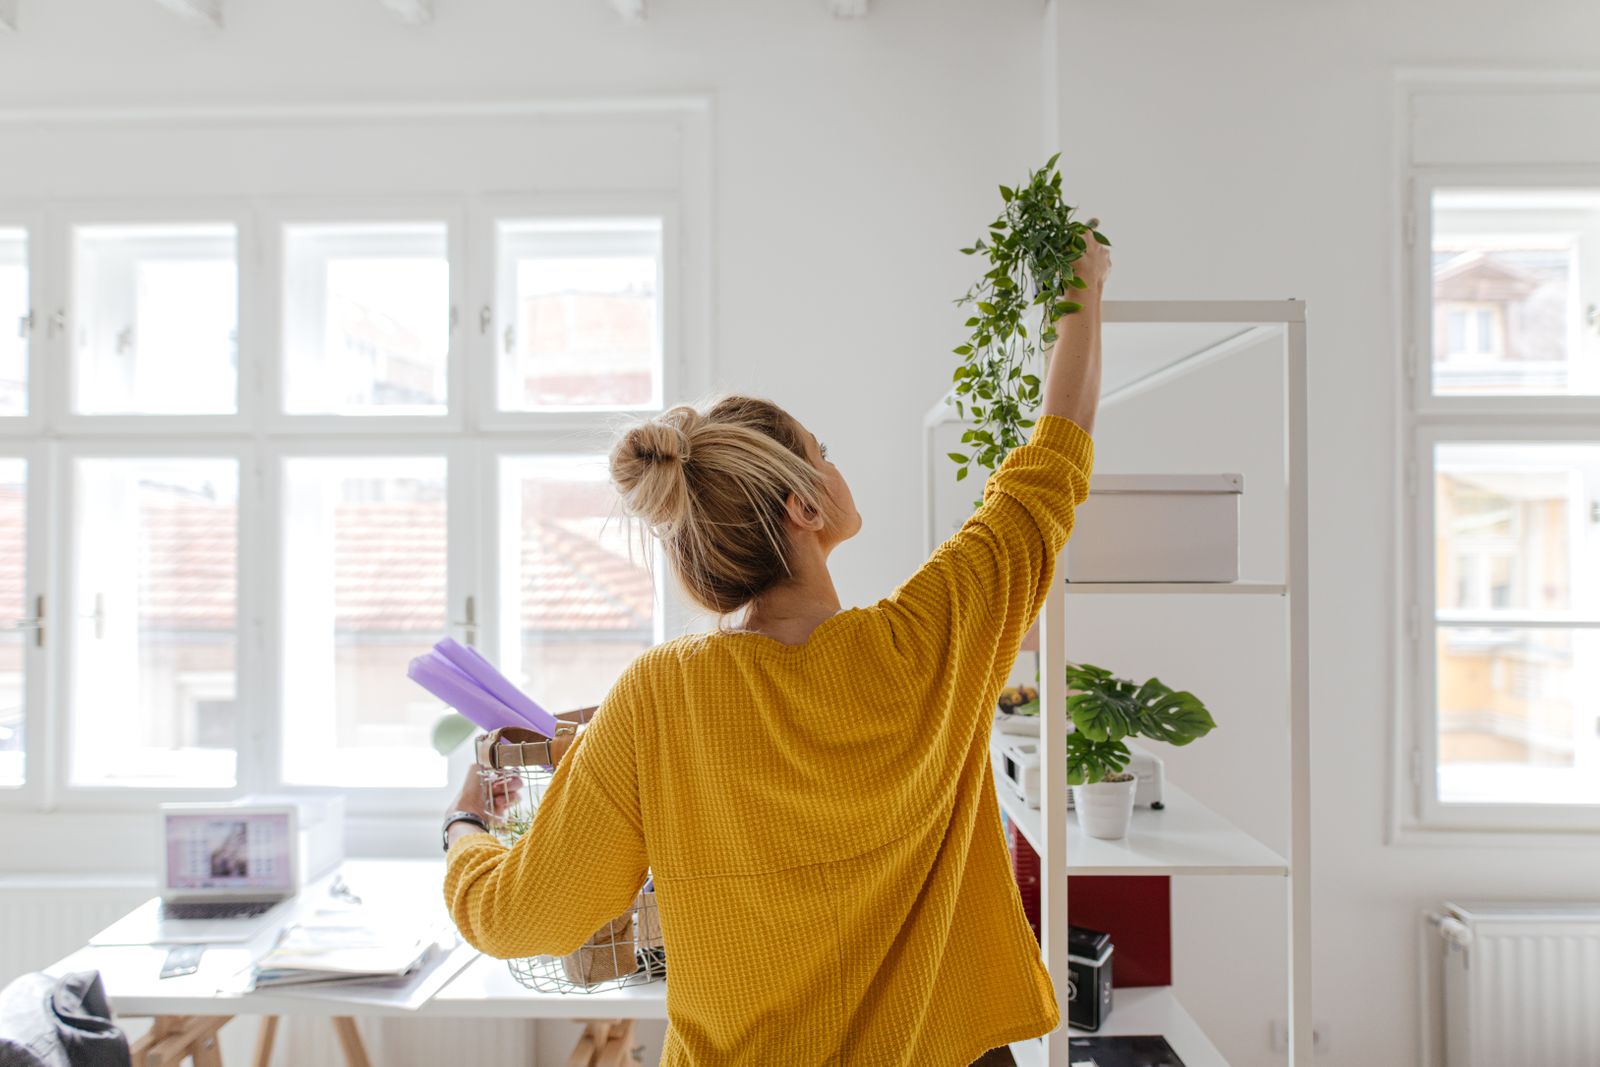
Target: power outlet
column 1321, row 1038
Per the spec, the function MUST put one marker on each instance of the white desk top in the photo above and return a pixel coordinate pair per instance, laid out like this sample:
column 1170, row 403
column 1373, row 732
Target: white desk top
column 484, row 988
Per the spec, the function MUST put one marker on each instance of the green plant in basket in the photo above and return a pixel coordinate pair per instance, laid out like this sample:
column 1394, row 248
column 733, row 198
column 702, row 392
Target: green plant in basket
column 1029, row 254
column 1105, row 710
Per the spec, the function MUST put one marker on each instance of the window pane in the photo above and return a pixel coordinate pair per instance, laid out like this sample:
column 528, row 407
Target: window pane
column 580, row 315
column 1509, row 313
column 1519, row 716
column 584, row 601
column 154, row 699
column 156, row 317
column 15, row 323
column 366, row 319
column 1513, row 527
column 13, row 601
column 364, row 559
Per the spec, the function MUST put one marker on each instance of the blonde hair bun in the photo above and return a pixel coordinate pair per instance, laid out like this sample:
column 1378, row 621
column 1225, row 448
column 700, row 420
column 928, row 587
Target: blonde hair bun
column 712, row 485
column 649, row 469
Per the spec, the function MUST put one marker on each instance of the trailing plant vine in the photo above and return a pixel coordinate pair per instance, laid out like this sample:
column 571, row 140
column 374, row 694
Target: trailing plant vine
column 1030, row 251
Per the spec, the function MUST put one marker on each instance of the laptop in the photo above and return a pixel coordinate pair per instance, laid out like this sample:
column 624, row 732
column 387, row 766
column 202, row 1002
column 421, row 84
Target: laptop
column 228, row 872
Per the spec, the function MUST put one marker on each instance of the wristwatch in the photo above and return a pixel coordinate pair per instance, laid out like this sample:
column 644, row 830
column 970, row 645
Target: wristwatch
column 462, row 816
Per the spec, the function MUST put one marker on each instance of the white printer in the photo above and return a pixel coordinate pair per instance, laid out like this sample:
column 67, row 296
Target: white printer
column 1019, row 771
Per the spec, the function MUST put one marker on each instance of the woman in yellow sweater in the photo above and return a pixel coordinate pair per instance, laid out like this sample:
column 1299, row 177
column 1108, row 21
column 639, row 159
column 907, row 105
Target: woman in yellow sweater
column 810, row 791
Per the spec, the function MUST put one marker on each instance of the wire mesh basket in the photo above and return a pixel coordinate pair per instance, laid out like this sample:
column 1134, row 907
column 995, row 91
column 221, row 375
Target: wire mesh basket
column 628, row 950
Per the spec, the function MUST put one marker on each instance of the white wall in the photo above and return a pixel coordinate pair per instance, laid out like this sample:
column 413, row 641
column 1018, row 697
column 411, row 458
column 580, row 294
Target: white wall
column 1235, row 148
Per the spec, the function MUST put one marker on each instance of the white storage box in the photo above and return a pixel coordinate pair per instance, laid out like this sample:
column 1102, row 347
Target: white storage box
column 1157, row 528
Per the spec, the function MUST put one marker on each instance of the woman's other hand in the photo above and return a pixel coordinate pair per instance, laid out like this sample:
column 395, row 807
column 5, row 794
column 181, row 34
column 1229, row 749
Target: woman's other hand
column 481, row 785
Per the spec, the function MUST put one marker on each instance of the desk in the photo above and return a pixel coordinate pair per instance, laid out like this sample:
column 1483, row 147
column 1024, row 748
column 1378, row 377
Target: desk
column 483, row 989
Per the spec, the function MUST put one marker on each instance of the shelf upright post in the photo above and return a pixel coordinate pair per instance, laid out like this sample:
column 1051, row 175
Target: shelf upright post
column 1297, row 559
column 1053, row 809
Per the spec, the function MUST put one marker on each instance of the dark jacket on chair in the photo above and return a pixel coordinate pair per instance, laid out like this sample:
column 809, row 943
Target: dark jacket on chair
column 59, row 1022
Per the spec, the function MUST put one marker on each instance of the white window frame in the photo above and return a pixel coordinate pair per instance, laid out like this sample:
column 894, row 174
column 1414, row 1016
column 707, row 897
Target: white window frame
column 273, row 220
column 31, row 220
column 471, row 435
column 678, row 378
column 1427, row 420
column 60, row 235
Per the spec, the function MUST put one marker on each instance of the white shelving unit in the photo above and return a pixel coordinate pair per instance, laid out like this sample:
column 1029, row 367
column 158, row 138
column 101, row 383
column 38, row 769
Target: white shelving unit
column 1153, row 344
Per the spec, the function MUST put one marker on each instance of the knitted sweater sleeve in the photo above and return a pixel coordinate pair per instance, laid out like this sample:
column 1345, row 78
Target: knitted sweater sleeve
column 580, row 864
column 971, row 603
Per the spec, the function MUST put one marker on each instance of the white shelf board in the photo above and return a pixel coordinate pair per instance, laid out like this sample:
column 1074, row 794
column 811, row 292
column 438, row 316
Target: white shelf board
column 1246, row 588
column 486, row 989
column 1146, row 1010
column 1185, row 838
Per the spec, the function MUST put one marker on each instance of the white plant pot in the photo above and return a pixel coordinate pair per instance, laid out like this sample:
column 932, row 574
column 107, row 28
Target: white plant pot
column 1105, row 808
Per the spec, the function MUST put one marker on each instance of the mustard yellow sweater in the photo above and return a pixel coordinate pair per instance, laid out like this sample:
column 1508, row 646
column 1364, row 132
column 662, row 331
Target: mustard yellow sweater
column 819, row 819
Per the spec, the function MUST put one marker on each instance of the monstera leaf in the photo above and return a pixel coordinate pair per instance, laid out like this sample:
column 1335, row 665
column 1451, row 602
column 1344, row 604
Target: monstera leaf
column 1090, row 761
column 1174, row 717
column 1104, row 708
column 1107, row 708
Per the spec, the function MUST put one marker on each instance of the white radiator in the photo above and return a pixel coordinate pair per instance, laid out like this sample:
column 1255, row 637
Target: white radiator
column 43, row 920
column 1521, row 984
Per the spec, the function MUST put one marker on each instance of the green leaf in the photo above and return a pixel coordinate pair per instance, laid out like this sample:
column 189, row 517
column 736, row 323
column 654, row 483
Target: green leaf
column 1102, row 238
column 1006, row 194
column 1067, row 307
column 962, row 350
column 962, row 473
column 450, row 732
column 986, row 307
column 958, row 457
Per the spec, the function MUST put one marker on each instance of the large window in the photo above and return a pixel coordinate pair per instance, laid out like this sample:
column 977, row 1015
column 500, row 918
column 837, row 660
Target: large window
column 1506, row 483
column 282, row 457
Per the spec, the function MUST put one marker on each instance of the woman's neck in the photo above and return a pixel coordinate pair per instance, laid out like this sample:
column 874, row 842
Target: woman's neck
column 789, row 612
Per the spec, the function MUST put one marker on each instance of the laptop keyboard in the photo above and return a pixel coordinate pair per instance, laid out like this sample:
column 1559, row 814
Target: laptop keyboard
column 219, row 909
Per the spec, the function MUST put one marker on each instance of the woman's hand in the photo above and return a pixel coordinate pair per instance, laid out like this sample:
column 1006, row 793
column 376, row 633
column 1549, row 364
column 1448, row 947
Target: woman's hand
column 1072, row 384
column 1093, row 267
column 481, row 785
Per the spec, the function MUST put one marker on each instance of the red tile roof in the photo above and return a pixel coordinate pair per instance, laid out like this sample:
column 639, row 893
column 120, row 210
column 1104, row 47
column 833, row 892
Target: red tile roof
column 389, row 570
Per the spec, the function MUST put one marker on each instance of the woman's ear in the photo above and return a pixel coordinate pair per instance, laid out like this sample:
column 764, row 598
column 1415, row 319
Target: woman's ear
column 804, row 515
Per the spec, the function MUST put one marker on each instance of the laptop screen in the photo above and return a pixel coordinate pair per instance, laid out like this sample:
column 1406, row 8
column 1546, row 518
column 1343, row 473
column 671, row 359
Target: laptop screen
column 216, row 850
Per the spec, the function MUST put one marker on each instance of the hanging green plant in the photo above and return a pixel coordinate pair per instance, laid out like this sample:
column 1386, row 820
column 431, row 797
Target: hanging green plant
column 1029, row 252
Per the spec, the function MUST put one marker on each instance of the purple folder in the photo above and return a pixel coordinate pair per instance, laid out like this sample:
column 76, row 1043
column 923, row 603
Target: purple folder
column 456, row 688
column 472, row 663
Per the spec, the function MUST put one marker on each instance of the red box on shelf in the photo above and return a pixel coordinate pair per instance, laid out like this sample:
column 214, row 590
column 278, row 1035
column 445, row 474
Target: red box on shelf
column 1136, row 910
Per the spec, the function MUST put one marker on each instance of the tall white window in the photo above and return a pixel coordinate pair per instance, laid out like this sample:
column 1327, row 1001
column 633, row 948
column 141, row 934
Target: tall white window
column 16, row 321
column 155, row 557
column 14, row 614
column 366, row 319
column 156, row 319
column 580, row 314
column 366, row 555
column 577, row 599
column 1505, row 475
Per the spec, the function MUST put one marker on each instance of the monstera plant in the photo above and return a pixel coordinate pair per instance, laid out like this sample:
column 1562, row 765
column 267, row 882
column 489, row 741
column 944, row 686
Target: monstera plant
column 1105, row 711
column 1028, row 254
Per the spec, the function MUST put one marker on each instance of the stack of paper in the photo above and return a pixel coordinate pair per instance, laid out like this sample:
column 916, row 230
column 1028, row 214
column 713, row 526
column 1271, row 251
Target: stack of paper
column 346, row 949
column 463, row 679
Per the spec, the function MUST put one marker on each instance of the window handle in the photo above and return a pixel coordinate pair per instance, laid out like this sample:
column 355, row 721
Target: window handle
column 34, row 622
column 455, row 317
column 99, row 616
column 469, row 624
column 510, row 339
column 485, row 319
column 25, row 325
